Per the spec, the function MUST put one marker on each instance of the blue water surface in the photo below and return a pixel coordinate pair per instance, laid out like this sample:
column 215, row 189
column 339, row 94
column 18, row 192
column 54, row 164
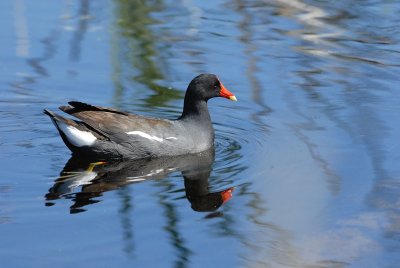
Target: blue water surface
column 310, row 152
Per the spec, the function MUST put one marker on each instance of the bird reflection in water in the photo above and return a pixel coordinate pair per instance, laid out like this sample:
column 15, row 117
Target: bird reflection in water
column 83, row 180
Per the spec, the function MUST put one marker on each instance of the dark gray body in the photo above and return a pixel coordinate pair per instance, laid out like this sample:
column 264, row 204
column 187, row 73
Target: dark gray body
column 190, row 134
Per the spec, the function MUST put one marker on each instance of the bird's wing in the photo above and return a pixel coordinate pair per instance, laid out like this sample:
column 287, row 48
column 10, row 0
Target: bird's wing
column 120, row 126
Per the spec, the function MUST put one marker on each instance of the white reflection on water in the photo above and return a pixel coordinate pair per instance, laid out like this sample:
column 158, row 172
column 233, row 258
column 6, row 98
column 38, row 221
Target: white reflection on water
column 21, row 29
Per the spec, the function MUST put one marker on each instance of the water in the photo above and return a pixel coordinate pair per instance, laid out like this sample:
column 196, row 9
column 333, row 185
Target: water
column 310, row 150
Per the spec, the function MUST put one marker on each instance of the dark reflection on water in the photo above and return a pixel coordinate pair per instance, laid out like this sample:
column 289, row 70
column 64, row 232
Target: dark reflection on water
column 83, row 180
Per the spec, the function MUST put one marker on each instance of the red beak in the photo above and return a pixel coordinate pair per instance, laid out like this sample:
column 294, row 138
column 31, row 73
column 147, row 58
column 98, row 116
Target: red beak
column 226, row 93
column 227, row 194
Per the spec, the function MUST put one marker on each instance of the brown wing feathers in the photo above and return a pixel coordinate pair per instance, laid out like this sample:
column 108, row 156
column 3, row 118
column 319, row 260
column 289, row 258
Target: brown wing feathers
column 77, row 107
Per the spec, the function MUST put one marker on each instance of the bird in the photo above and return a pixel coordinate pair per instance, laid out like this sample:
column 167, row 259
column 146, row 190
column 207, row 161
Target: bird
column 107, row 133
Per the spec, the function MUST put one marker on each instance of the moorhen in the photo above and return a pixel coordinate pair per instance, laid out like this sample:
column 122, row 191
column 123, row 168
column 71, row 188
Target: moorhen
column 107, row 133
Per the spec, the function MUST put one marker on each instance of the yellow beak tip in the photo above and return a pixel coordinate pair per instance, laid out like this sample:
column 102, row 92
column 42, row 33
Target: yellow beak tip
column 233, row 98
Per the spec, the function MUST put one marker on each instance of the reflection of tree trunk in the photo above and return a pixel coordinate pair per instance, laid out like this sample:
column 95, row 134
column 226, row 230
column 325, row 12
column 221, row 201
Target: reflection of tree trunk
column 172, row 225
column 23, row 44
column 252, row 69
column 75, row 51
column 126, row 212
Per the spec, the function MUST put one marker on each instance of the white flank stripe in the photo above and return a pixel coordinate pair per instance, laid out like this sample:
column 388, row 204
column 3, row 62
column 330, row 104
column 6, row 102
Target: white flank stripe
column 75, row 136
column 145, row 135
column 142, row 177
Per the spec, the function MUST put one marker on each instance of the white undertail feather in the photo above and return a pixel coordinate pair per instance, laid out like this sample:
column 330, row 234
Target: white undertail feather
column 75, row 136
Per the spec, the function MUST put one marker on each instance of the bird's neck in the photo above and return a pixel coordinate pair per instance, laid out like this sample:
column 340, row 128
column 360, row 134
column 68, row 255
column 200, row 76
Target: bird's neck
column 196, row 109
column 196, row 120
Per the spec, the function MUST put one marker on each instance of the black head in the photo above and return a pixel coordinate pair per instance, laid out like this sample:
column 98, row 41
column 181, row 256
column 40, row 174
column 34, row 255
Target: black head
column 206, row 86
